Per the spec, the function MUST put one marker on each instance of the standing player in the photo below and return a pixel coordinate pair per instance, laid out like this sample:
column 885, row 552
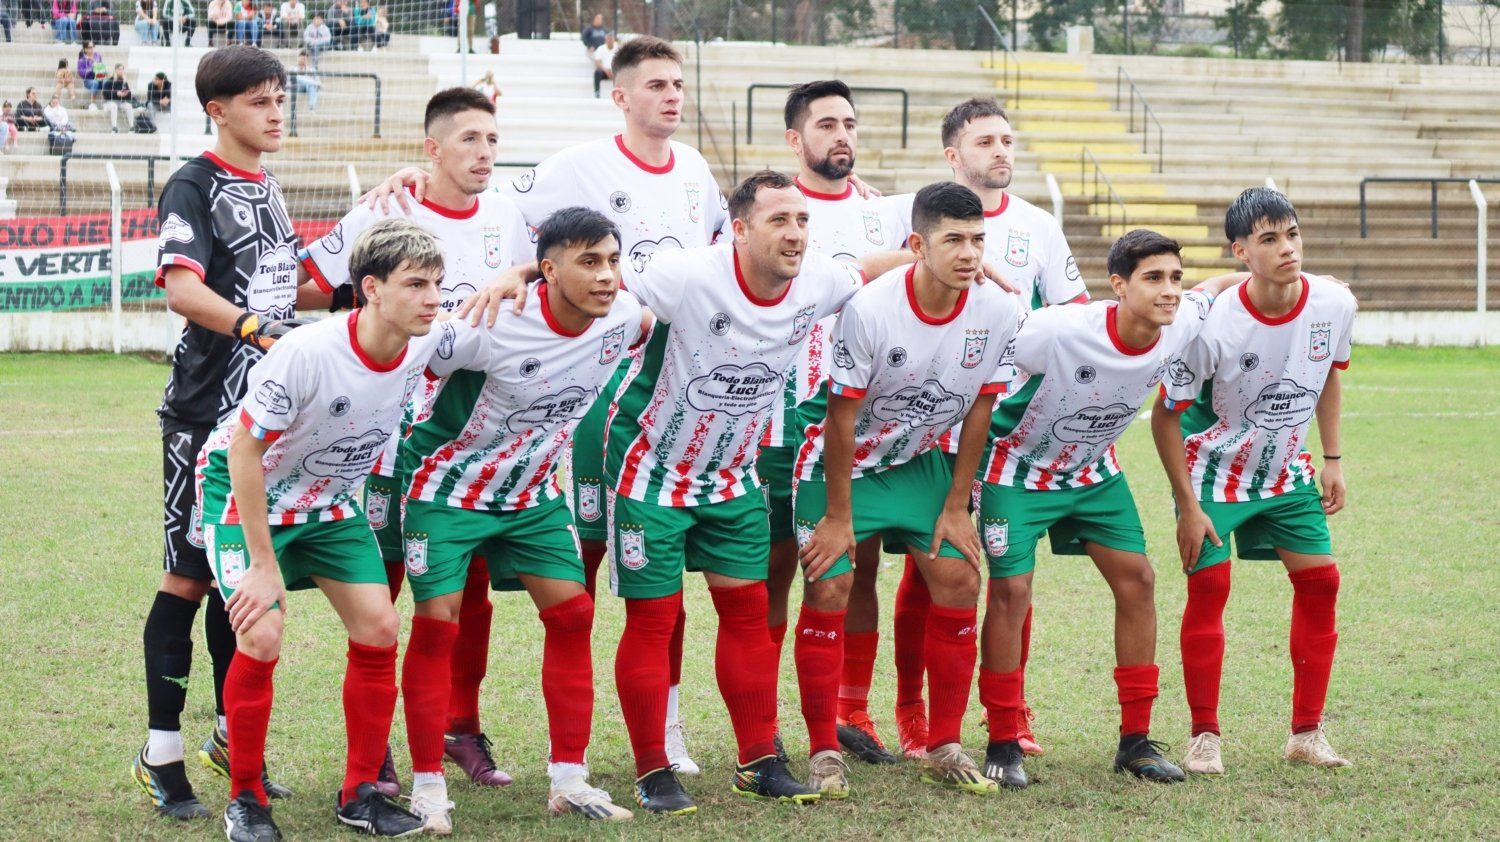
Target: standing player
column 1230, row 427
column 1028, row 245
column 279, row 485
column 481, row 233
column 1050, row 469
column 913, row 353
column 225, row 257
column 821, row 128
column 484, row 466
column 682, row 448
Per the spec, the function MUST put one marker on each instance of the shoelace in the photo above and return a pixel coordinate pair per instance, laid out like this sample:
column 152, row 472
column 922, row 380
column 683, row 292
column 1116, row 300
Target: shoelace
column 483, row 743
column 1159, row 747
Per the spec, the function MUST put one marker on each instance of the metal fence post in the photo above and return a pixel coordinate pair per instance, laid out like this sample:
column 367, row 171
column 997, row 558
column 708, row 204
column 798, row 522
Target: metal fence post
column 1481, row 249
column 115, row 250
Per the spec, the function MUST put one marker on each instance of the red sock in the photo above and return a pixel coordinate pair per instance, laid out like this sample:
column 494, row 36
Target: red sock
column 426, row 673
column 1203, row 644
column 674, row 648
column 1315, row 594
column 819, row 647
column 369, row 706
column 859, row 670
column 641, row 676
column 568, row 677
column 744, row 667
column 910, row 640
column 952, row 647
column 395, row 574
column 247, row 707
column 593, row 556
column 471, row 650
column 1001, row 693
column 1137, row 686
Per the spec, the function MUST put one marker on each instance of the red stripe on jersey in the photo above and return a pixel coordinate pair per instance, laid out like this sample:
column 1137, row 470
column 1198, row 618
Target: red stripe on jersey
column 996, row 464
column 1004, row 203
column 1237, row 468
column 187, row 263
column 1080, row 298
column 632, row 464
column 924, row 318
column 490, row 468
column 370, row 362
column 257, row 430
column 1341, row 364
column 258, row 175
column 317, row 274
column 993, row 389
column 846, row 391
column 825, row 197
column 662, row 170
column 1279, row 320
column 805, row 452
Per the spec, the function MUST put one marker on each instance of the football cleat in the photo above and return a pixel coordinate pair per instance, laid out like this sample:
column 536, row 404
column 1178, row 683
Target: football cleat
column 677, row 753
column 828, row 774
column 661, row 792
column 1143, row 758
column 576, row 796
column 373, row 814
column 430, row 804
column 1203, row 756
column 214, row 755
column 247, row 820
column 911, row 730
column 386, row 781
column 168, row 788
column 857, row 736
column 948, row 766
column 1312, row 748
column 781, row 748
column 1003, row 765
column 1029, row 746
column 768, row 779
column 472, row 754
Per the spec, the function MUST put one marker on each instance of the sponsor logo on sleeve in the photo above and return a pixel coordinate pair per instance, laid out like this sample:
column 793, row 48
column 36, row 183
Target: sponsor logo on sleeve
column 445, row 342
column 841, row 356
column 1180, row 374
column 525, row 182
column 416, row 552
column 588, row 500
column 633, row 548
column 551, row 410
column 333, row 241
column 1072, row 270
column 974, row 350
column 927, row 405
column 801, row 324
column 1094, row 424
column 273, row 397
column 996, row 537
column 377, row 509
column 1320, row 341
column 175, row 228
column 1018, row 248
column 350, row 457
column 611, row 345
column 641, row 252
column 1281, row 405
column 736, row 390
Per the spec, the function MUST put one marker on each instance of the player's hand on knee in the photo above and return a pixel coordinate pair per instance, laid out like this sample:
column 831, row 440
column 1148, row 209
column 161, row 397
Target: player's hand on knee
column 994, row 275
column 257, row 333
column 259, row 589
column 511, row 285
column 1193, row 528
column 383, row 193
column 1334, row 490
column 957, row 528
column 832, row 539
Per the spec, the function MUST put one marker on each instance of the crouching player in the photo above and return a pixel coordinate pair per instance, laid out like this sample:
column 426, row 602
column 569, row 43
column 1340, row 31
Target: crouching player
column 1230, row 427
column 914, row 352
column 279, row 483
column 483, row 469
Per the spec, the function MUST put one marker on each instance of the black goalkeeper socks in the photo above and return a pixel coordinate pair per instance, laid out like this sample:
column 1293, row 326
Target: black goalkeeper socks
column 220, row 638
column 168, row 643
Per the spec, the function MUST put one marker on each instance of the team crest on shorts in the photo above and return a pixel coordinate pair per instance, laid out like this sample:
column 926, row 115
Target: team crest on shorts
column 633, row 548
column 231, row 567
column 974, row 350
column 195, row 527
column 416, row 553
column 801, row 324
column 804, row 534
column 694, row 201
column 613, row 342
column 377, row 509
column 1320, row 343
column 996, row 537
column 588, row 500
column 872, row 228
column 494, row 247
column 1018, row 249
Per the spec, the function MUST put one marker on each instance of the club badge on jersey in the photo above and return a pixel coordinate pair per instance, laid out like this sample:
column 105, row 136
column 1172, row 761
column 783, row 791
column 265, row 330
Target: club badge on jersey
column 416, row 554
column 377, row 509
column 612, row 343
column 1018, row 249
column 974, row 350
column 494, row 247
column 874, row 231
column 695, row 201
column 1320, row 343
column 996, row 537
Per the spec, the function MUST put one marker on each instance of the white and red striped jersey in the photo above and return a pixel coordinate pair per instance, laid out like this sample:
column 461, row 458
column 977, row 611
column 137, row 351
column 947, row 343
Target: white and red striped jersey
column 1250, row 385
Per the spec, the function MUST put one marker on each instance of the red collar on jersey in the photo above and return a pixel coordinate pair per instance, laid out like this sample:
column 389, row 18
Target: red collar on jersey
column 1113, row 329
column 739, row 278
column 1004, row 203
column 450, row 213
column 234, row 170
column 365, row 358
column 661, row 170
column 541, row 294
column 826, row 197
column 1279, row 320
column 911, row 298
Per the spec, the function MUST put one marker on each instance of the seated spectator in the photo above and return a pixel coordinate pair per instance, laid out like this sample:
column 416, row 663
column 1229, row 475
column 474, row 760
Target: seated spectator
column 8, row 126
column 90, row 70
column 316, row 38
column 178, row 14
column 246, row 23
column 593, row 35
column 305, row 80
column 487, row 86
column 65, row 81
column 362, row 24
column 270, row 25
column 293, row 16
column 158, row 94
column 65, row 21
column 147, row 22
column 604, row 56
column 118, row 99
column 382, row 28
column 220, row 19
column 57, row 117
column 339, row 18
column 34, row 12
column 29, row 116
column 100, row 25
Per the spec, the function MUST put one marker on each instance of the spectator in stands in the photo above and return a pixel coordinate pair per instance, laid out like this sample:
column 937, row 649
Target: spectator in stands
column 118, row 99
column 382, row 28
column 220, row 19
column 306, row 79
column 179, row 14
column 100, row 25
column 316, row 38
column 293, row 17
column 90, row 69
column 270, row 26
column 64, row 78
column 29, row 115
column 246, row 23
column 487, row 86
column 34, row 12
column 593, row 35
column 339, row 19
column 362, row 24
column 604, row 56
column 65, row 21
column 5, row 22
column 158, row 95
column 147, row 22
column 57, row 117
column 8, row 126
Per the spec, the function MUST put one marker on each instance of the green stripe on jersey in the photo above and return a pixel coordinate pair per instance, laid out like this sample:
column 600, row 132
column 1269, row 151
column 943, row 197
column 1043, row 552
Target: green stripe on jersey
column 451, row 411
column 1200, row 416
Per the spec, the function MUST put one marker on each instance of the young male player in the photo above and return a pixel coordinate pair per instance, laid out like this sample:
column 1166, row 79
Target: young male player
column 683, row 442
column 484, row 477
column 1028, row 245
column 481, row 233
column 913, row 353
column 1230, row 427
column 224, row 256
column 1050, row 468
column 279, row 484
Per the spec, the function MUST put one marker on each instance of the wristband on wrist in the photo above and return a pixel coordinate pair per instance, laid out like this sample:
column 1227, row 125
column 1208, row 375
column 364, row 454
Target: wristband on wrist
column 1326, row 457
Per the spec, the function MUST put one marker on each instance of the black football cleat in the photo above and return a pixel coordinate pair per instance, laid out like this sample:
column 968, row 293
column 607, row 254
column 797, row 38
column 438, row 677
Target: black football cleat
column 168, row 788
column 372, row 813
column 1003, row 765
column 660, row 792
column 768, row 779
column 1142, row 757
column 247, row 820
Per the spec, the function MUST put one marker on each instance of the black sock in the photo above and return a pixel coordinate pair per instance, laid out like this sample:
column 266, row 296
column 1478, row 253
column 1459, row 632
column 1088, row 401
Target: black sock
column 1131, row 740
column 168, row 643
column 220, row 638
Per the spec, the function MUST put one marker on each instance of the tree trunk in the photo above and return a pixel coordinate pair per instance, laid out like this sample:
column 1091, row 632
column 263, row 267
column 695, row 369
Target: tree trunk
column 1354, row 32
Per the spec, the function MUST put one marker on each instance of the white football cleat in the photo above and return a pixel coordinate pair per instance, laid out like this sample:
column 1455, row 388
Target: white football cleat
column 430, row 802
column 1312, row 748
column 1202, row 756
column 677, row 753
column 574, row 795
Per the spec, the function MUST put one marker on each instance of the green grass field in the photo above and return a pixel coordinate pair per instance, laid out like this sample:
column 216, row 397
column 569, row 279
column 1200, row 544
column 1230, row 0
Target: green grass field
column 1415, row 701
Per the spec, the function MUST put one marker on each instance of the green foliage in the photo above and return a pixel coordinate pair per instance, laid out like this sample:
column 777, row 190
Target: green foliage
column 1247, row 28
column 1316, row 29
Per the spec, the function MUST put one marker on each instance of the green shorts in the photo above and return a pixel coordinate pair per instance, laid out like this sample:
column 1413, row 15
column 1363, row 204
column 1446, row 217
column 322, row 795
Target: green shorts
column 341, row 550
column 1293, row 521
column 385, row 502
column 901, row 504
column 589, row 503
column 440, row 541
column 1012, row 520
column 774, row 465
column 654, row 544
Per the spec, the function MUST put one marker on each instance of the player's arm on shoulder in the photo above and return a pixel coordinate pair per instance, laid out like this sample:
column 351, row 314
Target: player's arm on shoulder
column 262, row 586
column 833, row 536
column 1329, row 411
column 510, row 285
column 460, row 345
column 407, row 185
column 1218, row 284
column 660, row 287
column 877, row 263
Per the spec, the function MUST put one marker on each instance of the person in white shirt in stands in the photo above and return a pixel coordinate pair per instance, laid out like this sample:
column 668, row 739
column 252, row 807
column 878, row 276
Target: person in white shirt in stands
column 178, row 13
column 603, row 55
column 293, row 15
column 57, row 116
column 316, row 38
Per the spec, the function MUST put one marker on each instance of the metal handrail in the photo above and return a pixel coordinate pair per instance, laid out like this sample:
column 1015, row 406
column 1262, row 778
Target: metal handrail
column 1005, row 71
column 750, row 105
column 1085, row 157
column 1147, row 113
column 1481, row 246
column 296, row 92
column 62, row 173
column 1055, row 193
column 1434, row 182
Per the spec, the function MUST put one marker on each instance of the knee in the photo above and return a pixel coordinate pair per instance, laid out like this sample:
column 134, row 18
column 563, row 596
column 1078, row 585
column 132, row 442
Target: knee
column 1010, row 594
column 193, row 589
column 830, row 594
column 1138, row 585
column 378, row 629
column 262, row 641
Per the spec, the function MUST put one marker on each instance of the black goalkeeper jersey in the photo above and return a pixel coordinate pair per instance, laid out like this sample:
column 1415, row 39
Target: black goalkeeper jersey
column 231, row 228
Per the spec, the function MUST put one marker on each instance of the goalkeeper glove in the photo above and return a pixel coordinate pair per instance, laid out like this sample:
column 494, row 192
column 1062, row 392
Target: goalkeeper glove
column 249, row 329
